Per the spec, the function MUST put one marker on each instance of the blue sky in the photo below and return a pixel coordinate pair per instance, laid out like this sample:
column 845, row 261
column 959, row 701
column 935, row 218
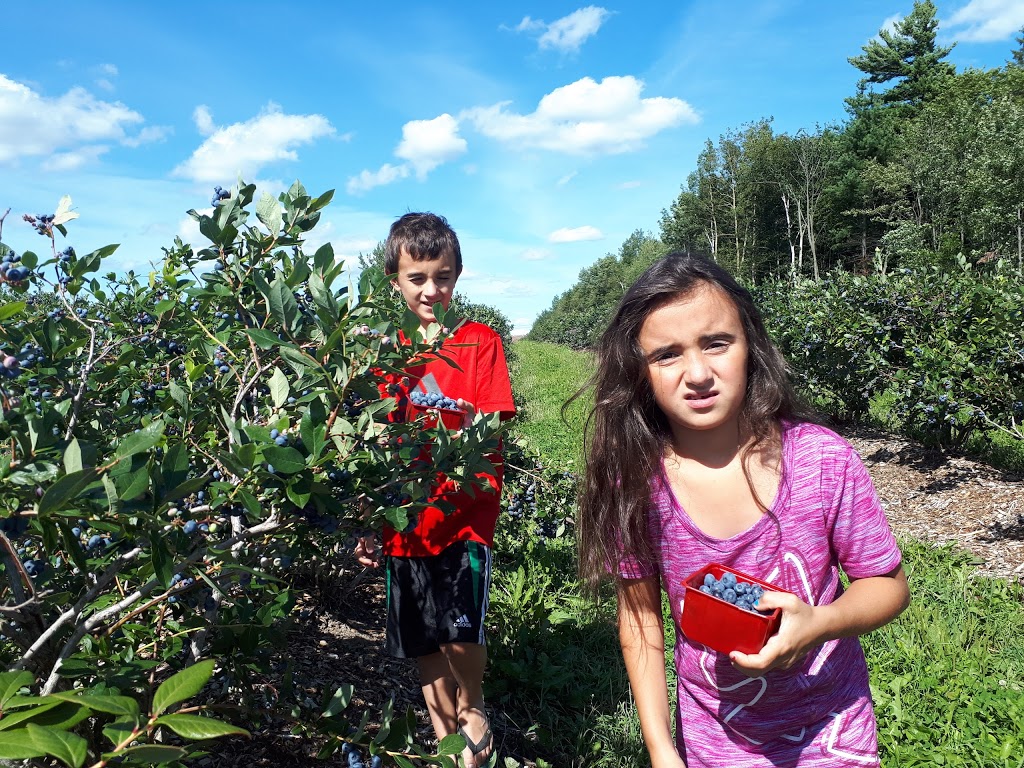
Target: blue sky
column 545, row 132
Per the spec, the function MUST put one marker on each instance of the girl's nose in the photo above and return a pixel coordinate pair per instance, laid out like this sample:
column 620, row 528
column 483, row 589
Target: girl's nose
column 697, row 370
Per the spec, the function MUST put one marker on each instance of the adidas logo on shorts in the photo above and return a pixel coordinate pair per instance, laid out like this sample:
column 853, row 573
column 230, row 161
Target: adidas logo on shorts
column 463, row 622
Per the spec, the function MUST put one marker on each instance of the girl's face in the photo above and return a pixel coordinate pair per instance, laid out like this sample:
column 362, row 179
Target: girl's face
column 696, row 354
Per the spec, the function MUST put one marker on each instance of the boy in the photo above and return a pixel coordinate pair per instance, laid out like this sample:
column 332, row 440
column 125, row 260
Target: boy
column 439, row 573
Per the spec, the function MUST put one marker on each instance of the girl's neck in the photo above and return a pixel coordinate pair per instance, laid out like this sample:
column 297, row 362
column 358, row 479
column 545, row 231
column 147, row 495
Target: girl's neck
column 712, row 448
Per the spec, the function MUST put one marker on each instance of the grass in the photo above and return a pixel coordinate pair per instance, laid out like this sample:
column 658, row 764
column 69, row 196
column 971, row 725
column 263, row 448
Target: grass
column 546, row 376
column 947, row 676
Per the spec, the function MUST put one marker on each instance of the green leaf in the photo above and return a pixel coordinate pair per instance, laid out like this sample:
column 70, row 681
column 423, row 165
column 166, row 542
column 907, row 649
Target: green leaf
column 279, row 388
column 112, row 705
column 269, row 212
column 155, row 754
column 198, row 728
column 281, row 303
column 323, row 259
column 451, row 744
column 286, row 460
column 11, row 683
column 11, row 309
column 69, row 748
column 186, row 488
column 339, row 701
column 18, row 746
column 73, row 457
column 163, row 562
column 140, row 441
column 264, row 339
column 182, row 685
column 313, row 429
column 68, row 488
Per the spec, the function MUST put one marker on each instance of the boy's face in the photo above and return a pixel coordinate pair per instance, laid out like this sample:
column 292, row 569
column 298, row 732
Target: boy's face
column 425, row 283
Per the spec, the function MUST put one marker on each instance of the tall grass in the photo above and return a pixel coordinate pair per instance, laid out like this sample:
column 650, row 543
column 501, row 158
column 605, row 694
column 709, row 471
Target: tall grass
column 947, row 676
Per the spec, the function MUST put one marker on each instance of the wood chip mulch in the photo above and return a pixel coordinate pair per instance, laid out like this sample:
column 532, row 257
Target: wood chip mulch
column 928, row 495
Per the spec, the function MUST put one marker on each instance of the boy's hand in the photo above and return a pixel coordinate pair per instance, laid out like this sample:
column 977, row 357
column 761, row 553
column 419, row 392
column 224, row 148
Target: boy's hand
column 469, row 411
column 366, row 551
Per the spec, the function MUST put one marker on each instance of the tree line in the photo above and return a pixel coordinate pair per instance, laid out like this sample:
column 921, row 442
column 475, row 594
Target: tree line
column 928, row 167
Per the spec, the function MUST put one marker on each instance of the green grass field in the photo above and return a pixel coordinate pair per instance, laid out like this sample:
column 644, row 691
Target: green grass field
column 947, row 676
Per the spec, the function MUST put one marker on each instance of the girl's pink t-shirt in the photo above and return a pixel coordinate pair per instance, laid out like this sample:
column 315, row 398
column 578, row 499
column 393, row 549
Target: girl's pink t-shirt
column 825, row 517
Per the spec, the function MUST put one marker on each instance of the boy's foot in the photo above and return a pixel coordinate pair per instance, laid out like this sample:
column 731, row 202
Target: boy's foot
column 476, row 730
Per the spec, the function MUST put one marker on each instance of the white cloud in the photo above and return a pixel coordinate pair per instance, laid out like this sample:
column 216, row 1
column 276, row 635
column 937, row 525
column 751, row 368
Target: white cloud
column 628, row 185
column 110, row 70
column 203, row 120
column 76, row 126
column 566, row 179
column 575, row 234
column 536, row 254
column 72, row 161
column 568, row 33
column 367, row 180
column 104, row 85
column 985, row 21
column 427, row 144
column 586, row 117
column 148, row 135
column 245, row 148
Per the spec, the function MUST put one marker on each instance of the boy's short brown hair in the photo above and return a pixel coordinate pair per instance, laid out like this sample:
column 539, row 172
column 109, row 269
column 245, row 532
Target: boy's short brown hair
column 425, row 237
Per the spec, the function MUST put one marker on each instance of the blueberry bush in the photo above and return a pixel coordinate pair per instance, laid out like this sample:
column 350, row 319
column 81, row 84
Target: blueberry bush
column 173, row 445
column 943, row 347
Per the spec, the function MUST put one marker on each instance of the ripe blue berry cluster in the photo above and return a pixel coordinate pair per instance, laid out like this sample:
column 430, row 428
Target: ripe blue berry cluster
column 43, row 222
column 278, row 437
column 739, row 593
column 219, row 194
column 13, row 527
column 432, row 400
column 11, row 269
column 524, row 502
column 355, row 758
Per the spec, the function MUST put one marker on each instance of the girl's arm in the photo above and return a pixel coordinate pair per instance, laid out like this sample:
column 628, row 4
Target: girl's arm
column 868, row 604
column 642, row 637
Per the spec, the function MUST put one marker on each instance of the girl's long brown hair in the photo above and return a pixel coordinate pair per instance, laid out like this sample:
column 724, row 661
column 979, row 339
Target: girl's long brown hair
column 626, row 434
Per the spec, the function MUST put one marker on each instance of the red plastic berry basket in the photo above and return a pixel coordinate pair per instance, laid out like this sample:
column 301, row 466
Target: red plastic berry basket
column 450, row 417
column 720, row 625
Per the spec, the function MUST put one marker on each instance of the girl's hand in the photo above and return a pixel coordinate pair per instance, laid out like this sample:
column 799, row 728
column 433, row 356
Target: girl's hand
column 867, row 604
column 799, row 632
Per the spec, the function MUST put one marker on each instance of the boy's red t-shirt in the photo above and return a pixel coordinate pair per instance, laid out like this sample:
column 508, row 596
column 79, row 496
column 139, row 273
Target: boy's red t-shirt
column 481, row 379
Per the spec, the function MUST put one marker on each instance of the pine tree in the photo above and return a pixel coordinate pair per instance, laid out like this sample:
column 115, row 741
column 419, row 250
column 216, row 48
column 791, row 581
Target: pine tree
column 909, row 55
column 1018, row 54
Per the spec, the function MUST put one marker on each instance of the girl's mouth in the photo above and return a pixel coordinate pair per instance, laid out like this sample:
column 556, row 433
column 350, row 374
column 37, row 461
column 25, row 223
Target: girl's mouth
column 701, row 399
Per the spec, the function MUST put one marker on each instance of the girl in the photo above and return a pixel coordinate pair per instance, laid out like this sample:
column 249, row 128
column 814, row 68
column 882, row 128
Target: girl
column 698, row 452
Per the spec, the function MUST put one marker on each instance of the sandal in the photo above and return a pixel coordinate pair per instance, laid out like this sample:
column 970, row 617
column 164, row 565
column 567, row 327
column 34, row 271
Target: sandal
column 487, row 740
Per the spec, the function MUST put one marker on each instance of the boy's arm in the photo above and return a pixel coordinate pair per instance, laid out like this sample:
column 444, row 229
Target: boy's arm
column 367, row 552
column 642, row 637
column 868, row 604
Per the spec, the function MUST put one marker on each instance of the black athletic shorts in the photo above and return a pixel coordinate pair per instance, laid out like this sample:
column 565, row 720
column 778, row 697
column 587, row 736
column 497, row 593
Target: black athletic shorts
column 436, row 600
